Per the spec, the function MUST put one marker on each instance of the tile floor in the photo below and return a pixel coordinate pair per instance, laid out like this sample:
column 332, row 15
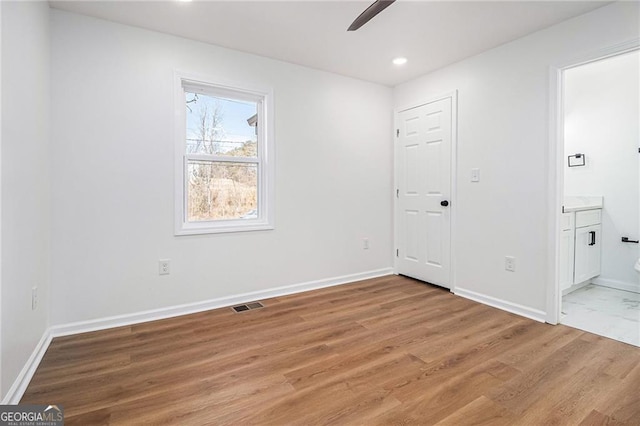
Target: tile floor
column 604, row 311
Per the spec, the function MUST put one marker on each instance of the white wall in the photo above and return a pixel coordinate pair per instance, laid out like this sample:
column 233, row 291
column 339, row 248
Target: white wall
column 503, row 130
column 113, row 175
column 602, row 110
column 25, row 181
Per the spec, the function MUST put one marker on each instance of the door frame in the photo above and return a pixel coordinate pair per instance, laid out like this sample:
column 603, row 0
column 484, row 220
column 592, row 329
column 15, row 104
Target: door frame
column 453, row 95
column 555, row 151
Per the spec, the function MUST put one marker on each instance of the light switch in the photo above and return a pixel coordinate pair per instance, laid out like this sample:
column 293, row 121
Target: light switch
column 475, row 175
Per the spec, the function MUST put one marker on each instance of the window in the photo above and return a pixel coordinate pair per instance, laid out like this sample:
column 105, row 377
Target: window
column 224, row 158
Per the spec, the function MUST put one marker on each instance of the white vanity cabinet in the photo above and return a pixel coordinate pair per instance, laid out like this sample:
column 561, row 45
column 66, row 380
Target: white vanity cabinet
column 580, row 245
column 567, row 250
column 588, row 245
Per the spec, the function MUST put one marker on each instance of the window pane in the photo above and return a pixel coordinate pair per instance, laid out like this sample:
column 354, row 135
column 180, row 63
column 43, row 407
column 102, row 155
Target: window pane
column 220, row 126
column 221, row 191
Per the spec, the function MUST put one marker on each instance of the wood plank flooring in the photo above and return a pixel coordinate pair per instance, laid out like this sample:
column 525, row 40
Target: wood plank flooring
column 385, row 351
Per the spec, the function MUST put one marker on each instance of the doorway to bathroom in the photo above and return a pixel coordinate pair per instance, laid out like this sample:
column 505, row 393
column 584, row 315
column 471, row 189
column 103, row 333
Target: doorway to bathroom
column 598, row 227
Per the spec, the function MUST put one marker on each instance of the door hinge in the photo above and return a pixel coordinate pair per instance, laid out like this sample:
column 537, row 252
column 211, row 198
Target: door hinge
column 397, row 193
column 397, row 133
column 397, row 252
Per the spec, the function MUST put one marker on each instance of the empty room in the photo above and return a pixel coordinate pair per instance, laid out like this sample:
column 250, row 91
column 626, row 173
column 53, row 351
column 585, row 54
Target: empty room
column 319, row 212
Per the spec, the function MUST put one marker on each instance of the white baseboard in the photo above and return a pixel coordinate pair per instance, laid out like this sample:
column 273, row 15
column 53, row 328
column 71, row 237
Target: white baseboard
column 619, row 285
column 514, row 308
column 190, row 308
column 15, row 392
column 22, row 381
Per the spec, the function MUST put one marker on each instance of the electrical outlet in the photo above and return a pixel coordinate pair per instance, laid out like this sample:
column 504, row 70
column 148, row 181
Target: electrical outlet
column 34, row 298
column 365, row 244
column 510, row 263
column 164, row 267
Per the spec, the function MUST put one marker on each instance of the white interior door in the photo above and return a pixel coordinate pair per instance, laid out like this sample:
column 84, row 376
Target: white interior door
column 423, row 210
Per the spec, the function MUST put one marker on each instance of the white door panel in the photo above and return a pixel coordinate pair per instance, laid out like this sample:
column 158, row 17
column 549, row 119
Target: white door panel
column 433, row 237
column 587, row 253
column 412, row 247
column 411, row 170
column 423, row 148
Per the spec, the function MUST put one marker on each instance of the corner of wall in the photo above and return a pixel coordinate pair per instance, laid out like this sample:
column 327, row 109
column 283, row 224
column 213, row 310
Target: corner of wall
column 25, row 227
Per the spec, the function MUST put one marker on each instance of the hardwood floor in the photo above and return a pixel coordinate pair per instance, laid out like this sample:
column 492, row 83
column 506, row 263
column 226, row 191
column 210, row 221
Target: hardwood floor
column 384, row 351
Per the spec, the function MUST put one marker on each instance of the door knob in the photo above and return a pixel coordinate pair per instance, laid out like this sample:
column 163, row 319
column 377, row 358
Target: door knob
column 444, row 203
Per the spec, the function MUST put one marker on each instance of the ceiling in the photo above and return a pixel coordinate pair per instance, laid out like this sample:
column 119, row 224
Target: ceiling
column 431, row 34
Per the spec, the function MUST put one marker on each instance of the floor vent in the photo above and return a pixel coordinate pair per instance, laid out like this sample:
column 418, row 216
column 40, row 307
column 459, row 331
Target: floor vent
column 247, row 307
column 255, row 305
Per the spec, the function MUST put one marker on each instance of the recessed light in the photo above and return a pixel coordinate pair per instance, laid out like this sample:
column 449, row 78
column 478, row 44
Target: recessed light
column 400, row 61
column 184, row 1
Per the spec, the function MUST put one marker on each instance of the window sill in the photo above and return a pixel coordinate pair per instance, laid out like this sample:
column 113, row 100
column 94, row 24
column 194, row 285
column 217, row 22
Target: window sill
column 199, row 229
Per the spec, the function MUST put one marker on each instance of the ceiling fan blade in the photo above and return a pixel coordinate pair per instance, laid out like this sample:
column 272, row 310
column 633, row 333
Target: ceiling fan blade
column 375, row 8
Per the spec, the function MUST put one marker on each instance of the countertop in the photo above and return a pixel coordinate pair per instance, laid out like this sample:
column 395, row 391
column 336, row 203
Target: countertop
column 578, row 203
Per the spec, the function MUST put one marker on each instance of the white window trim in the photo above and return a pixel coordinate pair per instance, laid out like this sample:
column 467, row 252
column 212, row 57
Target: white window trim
column 266, row 155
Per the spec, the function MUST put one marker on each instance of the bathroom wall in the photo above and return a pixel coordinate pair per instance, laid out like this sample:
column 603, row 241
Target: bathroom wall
column 602, row 106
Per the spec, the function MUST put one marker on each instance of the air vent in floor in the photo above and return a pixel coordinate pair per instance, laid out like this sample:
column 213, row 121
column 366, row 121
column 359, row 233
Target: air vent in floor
column 247, row 307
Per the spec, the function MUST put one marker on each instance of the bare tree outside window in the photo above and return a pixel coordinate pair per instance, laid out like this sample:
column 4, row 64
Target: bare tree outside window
column 217, row 187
